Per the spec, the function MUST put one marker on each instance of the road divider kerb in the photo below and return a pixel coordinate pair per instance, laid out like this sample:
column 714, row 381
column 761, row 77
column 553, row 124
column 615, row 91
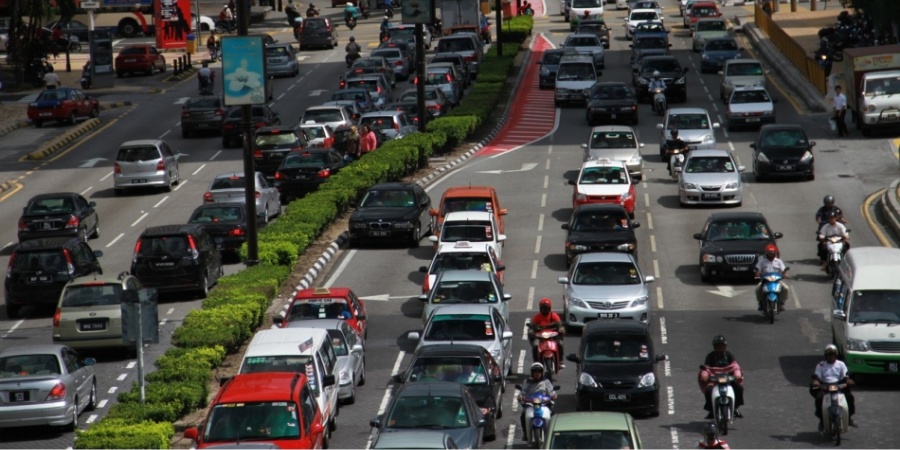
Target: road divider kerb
column 10, row 128
column 890, row 206
column 51, row 147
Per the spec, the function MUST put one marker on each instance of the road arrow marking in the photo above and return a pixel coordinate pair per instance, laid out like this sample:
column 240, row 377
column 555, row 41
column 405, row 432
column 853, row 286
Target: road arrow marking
column 316, row 92
column 385, row 297
column 181, row 101
column 726, row 291
column 91, row 162
column 525, row 168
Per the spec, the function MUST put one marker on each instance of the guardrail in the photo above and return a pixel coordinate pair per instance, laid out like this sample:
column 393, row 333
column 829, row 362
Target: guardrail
column 793, row 51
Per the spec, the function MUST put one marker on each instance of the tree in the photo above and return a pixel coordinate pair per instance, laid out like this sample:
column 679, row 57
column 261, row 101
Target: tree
column 884, row 13
column 27, row 42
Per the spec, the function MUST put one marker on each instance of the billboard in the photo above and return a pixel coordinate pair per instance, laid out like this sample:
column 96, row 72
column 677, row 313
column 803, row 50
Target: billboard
column 244, row 70
column 173, row 23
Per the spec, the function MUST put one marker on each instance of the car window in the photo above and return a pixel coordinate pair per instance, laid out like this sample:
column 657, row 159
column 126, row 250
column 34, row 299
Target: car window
column 661, row 65
column 737, row 230
column 229, row 182
column 50, row 260
column 252, row 421
column 308, row 409
column 576, row 72
column 456, row 45
column 614, row 92
column 606, row 273
column 689, row 121
column 471, row 231
column 460, row 261
column 175, row 246
column 603, row 175
column 435, row 412
column 447, row 292
column 721, row 44
column 137, row 154
column 275, row 52
column 222, row 213
column 266, row 140
column 615, row 348
column 382, row 123
column 132, row 51
column 55, row 205
column 744, row 69
column 552, row 58
column 26, row 365
column 92, row 295
column 757, row 96
column 467, row 370
column 784, row 138
column 711, row 25
column 591, row 439
column 593, row 221
column 388, row 198
column 644, row 16
column 613, row 139
column 322, row 115
column 709, row 164
column 305, row 159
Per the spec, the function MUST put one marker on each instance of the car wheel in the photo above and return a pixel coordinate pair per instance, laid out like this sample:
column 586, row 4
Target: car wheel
column 96, row 233
column 811, row 177
column 203, row 292
column 168, row 186
column 12, row 311
column 704, row 277
column 265, row 216
column 164, row 68
column 352, row 398
column 72, row 118
column 92, row 401
column 499, row 410
column 416, row 236
column 185, row 133
column 95, row 113
column 362, row 373
column 74, row 424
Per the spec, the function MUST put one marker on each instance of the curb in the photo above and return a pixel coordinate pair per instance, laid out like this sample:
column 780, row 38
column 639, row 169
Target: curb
column 187, row 73
column 10, row 128
column 890, row 206
column 62, row 141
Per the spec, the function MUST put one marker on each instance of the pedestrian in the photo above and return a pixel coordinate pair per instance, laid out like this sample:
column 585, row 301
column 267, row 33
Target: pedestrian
column 51, row 79
column 367, row 140
column 352, row 150
column 840, row 110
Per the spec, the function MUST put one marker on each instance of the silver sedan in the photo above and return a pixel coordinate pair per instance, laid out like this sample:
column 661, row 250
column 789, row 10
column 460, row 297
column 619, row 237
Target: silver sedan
column 710, row 177
column 229, row 188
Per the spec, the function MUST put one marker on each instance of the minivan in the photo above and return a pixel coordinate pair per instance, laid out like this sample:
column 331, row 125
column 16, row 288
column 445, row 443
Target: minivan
column 574, row 78
column 866, row 310
column 145, row 163
column 304, row 350
column 465, row 45
column 174, row 258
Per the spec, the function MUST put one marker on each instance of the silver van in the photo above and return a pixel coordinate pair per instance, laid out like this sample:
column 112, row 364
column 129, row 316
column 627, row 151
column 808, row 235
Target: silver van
column 574, row 78
column 145, row 163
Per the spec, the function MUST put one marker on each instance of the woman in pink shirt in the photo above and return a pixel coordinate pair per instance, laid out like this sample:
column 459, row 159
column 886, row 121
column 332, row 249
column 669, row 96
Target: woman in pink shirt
column 367, row 140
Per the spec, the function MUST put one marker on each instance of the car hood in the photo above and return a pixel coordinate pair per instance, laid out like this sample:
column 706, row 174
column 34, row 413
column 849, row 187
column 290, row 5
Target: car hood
column 615, row 154
column 737, row 246
column 784, row 152
column 617, row 370
column 601, row 237
column 464, row 437
column 641, row 52
column 757, row 80
column 710, row 178
column 386, row 214
column 721, row 54
column 603, row 189
column 751, row 107
column 701, row 35
column 604, row 292
column 343, row 363
column 690, row 135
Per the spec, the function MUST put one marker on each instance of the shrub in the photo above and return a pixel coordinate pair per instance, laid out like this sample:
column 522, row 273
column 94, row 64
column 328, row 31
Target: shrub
column 117, row 433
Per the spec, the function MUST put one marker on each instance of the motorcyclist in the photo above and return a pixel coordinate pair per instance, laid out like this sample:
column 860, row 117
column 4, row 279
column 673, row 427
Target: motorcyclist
column 212, row 44
column 389, row 7
column 385, row 26
column 832, row 370
column 353, row 50
column 829, row 206
column 544, row 320
column 532, row 385
column 291, row 12
column 312, row 11
column 770, row 263
column 711, row 437
column 227, row 17
column 720, row 357
column 350, row 11
column 655, row 83
column 831, row 228
column 672, row 143
column 204, row 76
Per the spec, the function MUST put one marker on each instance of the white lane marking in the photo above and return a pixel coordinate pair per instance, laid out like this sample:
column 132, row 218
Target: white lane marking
column 649, row 221
column 84, row 192
column 546, row 181
column 396, row 368
column 163, row 322
column 667, row 367
column 131, row 365
column 181, row 184
column 670, row 393
column 543, row 200
column 511, row 436
column 796, row 299
column 120, row 236
column 659, row 298
column 547, row 164
column 91, row 418
column 122, row 376
column 164, row 134
column 537, row 244
column 106, row 176
column 199, row 169
column 715, row 107
column 534, row 268
column 13, row 328
column 524, row 337
column 550, row 149
column 653, row 243
column 160, row 202
column 281, row 96
column 143, row 216
column 530, row 303
column 340, row 269
column 170, row 311
column 705, row 89
column 102, row 403
column 646, row 200
column 214, row 156
column 113, row 390
column 656, row 268
column 674, row 432
column 663, row 334
column 541, row 222
column 753, row 198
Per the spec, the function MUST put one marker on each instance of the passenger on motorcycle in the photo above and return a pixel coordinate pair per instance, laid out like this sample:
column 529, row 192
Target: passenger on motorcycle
column 832, row 370
column 385, row 26
column 674, row 142
column 831, row 228
column 204, row 76
column 711, row 438
column 350, row 11
column 655, row 83
column 770, row 263
column 827, row 207
column 721, row 357
column 532, row 385
column 312, row 11
column 546, row 319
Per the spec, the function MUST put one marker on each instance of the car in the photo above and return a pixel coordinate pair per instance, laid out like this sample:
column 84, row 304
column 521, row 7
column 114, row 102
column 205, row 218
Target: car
column 605, row 286
column 435, row 100
column 781, row 151
column 372, row 64
column 333, row 116
column 391, row 211
column 229, row 188
column 89, row 311
column 593, row 429
column 575, row 75
column 318, row 32
column 549, row 64
column 272, row 144
column 355, row 108
column 39, row 269
column 444, row 75
column 459, row 62
column 458, row 285
column 716, row 51
column 177, row 258
column 740, row 72
column 412, row 111
column 45, row 384
column 647, row 4
column 319, row 135
column 225, row 223
column 701, row 9
column 461, row 255
column 708, row 28
column 470, row 198
column 671, row 72
column 615, row 142
column 63, row 105
column 587, row 44
column 648, row 45
column 710, row 177
column 406, row 46
column 694, row 126
column 139, row 58
column 379, row 89
column 325, row 303
column 599, row 228
column 730, row 244
column 59, row 214
column 401, row 29
column 395, row 58
column 204, row 113
column 604, row 181
column 392, row 123
column 467, row 364
column 281, row 60
column 465, row 45
column 441, row 405
column 360, row 96
column 349, row 348
column 470, row 226
column 651, row 28
column 146, row 163
column 611, row 101
column 584, row 10
column 597, row 27
column 303, row 172
column 637, row 16
column 483, row 34
column 617, row 368
column 749, row 106
column 73, row 28
column 260, row 116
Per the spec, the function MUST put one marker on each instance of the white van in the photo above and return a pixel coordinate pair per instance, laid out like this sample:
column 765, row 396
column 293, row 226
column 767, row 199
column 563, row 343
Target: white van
column 866, row 299
column 294, row 350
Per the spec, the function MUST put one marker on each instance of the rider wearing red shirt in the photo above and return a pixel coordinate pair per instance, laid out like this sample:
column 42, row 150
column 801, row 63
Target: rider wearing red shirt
column 545, row 319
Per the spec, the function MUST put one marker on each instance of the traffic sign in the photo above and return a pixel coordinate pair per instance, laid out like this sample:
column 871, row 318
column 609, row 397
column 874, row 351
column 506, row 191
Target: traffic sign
column 90, row 5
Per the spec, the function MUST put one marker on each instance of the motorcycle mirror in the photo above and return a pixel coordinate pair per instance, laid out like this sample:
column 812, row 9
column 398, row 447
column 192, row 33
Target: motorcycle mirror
column 518, row 386
column 556, row 387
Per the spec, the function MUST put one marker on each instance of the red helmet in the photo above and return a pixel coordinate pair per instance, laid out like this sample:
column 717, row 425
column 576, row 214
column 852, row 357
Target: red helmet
column 771, row 248
column 545, row 302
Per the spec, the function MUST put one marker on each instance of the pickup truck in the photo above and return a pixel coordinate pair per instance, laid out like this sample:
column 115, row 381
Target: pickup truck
column 870, row 77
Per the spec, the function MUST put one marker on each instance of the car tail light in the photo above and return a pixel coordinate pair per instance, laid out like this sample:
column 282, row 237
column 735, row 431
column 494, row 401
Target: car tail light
column 161, row 165
column 220, row 112
column 397, row 126
column 342, row 84
column 415, row 80
column 236, row 232
column 279, row 176
column 297, row 149
column 260, row 124
column 116, row 168
column 633, row 108
column 70, row 268
column 448, row 77
column 137, row 247
column 257, row 194
column 329, row 142
column 257, row 154
column 185, row 114
column 22, row 225
column 358, row 71
column 378, row 89
column 73, row 222
column 229, row 126
column 56, row 317
column 57, row 393
column 324, row 173
column 399, row 62
column 207, row 197
column 434, row 108
column 469, row 58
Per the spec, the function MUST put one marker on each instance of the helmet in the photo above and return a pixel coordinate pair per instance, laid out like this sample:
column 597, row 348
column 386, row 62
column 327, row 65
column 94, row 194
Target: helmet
column 828, row 200
column 352, row 39
column 655, row 74
column 771, row 248
column 545, row 302
column 386, row 18
column 537, row 367
column 711, row 430
column 674, row 132
column 719, row 340
column 831, row 349
column 349, row 3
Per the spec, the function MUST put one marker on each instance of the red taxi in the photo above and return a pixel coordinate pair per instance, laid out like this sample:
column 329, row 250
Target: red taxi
column 604, row 181
column 139, row 58
column 469, row 198
column 326, row 303
column 62, row 104
column 276, row 408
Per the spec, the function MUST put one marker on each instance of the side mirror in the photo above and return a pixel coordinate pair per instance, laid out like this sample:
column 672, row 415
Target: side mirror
column 774, row 100
column 423, row 297
column 357, row 348
column 89, row 361
column 812, row 144
column 501, row 238
column 328, row 380
column 661, row 357
column 518, row 386
column 192, row 434
column 572, row 182
column 98, row 253
column 722, row 73
column 397, row 378
column 375, row 423
column 742, row 168
column 635, row 224
column 317, row 429
column 507, row 297
column 563, row 280
column 839, row 314
column 777, row 235
column 640, row 145
column 685, row 70
column 278, row 320
column 504, row 211
column 423, row 269
column 698, row 236
column 501, row 267
column 573, row 357
column 434, row 239
column 92, row 204
column 584, row 146
column 631, row 45
column 716, row 125
column 634, row 181
column 659, row 126
column 753, row 145
column 507, row 335
column 565, row 226
column 360, row 317
column 678, row 169
column 649, row 279
column 413, row 336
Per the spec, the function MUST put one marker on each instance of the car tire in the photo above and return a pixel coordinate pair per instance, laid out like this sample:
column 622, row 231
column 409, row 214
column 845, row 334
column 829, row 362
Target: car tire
column 95, row 113
column 38, row 123
column 72, row 118
column 265, row 217
column 352, row 398
column 362, row 374
column 164, row 68
column 705, row 278
column 811, row 176
column 185, row 134
column 96, row 233
column 203, row 292
column 168, row 186
column 416, row 236
column 12, row 311
column 92, row 401
column 72, row 426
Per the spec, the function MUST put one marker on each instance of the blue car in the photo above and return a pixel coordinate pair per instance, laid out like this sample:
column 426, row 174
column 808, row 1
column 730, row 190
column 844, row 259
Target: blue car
column 716, row 52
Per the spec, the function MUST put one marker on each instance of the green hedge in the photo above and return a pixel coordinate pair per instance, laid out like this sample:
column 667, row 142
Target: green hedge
column 118, row 433
column 517, row 29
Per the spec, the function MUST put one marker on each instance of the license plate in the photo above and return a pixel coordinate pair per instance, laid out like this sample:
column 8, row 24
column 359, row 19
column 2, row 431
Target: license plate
column 752, row 119
column 220, row 246
column 274, row 61
column 741, row 268
column 46, row 226
column 92, row 326
column 891, row 116
column 278, row 156
column 608, row 315
column 139, row 181
column 612, row 116
column 302, row 177
column 39, row 279
column 787, row 167
column 46, row 114
column 18, row 396
column 617, row 397
column 692, row 147
column 378, row 233
column 710, row 196
column 892, row 367
column 219, row 240
column 130, row 60
column 164, row 264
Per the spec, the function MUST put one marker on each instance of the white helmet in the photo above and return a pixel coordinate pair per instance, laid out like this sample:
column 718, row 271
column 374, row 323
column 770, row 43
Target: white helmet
column 655, row 74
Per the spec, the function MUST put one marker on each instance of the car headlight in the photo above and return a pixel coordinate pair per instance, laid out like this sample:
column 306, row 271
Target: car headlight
column 680, row 81
column 545, row 72
column 643, row 81
column 731, row 185
column 576, row 247
column 635, row 158
column 576, row 303
column 358, row 225
column 497, row 355
column 857, row 345
column 345, row 377
column 562, row 91
column 629, row 247
column 807, row 157
column 689, row 186
column 647, row 380
column 580, row 197
column 709, row 258
column 704, row 57
column 404, row 225
column 640, row 301
column 709, row 138
column 763, row 159
column 625, row 196
column 871, row 108
column 586, row 380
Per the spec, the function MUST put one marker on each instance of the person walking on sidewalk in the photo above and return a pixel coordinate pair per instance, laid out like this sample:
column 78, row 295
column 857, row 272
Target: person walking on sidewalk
column 840, row 110
column 367, row 140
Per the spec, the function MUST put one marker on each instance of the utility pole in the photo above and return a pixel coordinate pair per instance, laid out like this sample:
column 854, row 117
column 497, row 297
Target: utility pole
column 499, row 20
column 420, row 74
column 243, row 17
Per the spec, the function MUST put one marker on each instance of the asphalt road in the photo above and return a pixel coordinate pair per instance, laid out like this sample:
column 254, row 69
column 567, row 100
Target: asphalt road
column 777, row 359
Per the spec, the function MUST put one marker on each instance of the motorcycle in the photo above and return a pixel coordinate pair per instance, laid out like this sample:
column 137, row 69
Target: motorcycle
column 350, row 22
column 659, row 100
column 834, row 252
column 676, row 162
column 364, row 10
column 207, row 84
column 389, row 12
column 86, row 76
column 722, row 398
column 772, row 288
column 537, row 417
column 834, row 412
column 223, row 26
column 350, row 59
column 548, row 350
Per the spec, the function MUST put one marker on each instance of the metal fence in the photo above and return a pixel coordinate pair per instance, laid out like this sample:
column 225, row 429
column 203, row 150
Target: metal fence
column 793, row 51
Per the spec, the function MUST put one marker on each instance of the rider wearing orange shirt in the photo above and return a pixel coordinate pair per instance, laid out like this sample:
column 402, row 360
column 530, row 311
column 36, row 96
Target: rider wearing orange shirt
column 545, row 319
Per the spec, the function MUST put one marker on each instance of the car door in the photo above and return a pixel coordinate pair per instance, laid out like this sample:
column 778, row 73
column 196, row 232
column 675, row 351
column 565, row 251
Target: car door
column 424, row 203
column 171, row 159
column 270, row 193
column 351, row 337
column 500, row 325
column 87, row 213
column 79, row 375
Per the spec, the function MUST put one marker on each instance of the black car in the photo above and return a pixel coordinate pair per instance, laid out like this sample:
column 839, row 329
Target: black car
column 598, row 227
column 471, row 365
column 617, row 368
column 731, row 242
column 670, row 70
column 597, row 27
column 59, row 214
column 411, row 109
column 202, row 114
column 391, row 211
column 318, row 32
column 272, row 144
column 40, row 268
column 648, row 45
column 303, row 172
column 226, row 223
column 611, row 102
column 261, row 116
column 371, row 64
column 549, row 65
column 783, row 151
column 174, row 258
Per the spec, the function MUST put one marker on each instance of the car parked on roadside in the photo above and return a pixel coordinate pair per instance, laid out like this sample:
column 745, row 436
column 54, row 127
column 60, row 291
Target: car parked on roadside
column 710, row 177
column 62, row 104
column 142, row 58
column 435, row 100
column 549, row 65
column 392, row 123
column 177, row 258
column 350, row 353
column 782, row 151
column 147, row 163
column 59, row 214
column 330, row 302
column 204, row 113
column 229, row 187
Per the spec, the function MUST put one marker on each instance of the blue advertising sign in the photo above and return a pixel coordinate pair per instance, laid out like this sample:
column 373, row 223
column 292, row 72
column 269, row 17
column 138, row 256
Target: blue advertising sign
column 244, row 70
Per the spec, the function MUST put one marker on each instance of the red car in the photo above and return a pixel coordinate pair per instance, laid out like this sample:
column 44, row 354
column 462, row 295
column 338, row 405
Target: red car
column 701, row 10
column 139, row 58
column 604, row 181
column 277, row 408
column 326, row 303
column 62, row 104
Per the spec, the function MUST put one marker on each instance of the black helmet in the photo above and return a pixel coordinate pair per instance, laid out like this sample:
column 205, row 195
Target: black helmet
column 828, row 200
column 674, row 132
column 711, row 429
column 719, row 340
column 352, row 39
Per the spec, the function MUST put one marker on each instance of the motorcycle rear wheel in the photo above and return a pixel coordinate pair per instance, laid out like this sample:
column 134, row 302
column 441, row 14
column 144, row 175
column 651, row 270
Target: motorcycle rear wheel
column 550, row 367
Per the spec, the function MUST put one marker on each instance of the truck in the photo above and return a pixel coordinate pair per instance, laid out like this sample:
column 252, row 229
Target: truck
column 455, row 13
column 870, row 77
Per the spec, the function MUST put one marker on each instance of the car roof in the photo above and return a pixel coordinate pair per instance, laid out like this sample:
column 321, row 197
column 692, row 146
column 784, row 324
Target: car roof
column 736, row 215
column 599, row 207
column 276, row 341
column 464, row 275
column 277, row 129
column 141, row 143
column 452, row 349
column 613, row 326
column 606, row 257
column 319, row 324
column 643, row 10
column 164, row 230
column 466, row 216
column 416, row 438
column 592, row 420
column 612, row 127
column 52, row 195
column 782, row 126
column 603, row 163
column 322, row 292
column 673, row 111
column 394, row 185
column 749, row 87
column 98, row 278
column 45, row 243
column 660, row 57
column 463, row 247
column 742, row 61
column 319, row 107
column 262, row 386
column 582, row 35
column 30, row 349
column 709, row 152
column 382, row 113
column 468, row 191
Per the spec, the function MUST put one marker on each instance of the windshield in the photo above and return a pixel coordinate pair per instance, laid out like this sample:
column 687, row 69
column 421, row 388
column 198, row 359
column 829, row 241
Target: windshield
column 603, row 175
column 600, row 221
column 711, row 25
column 52, row 205
column 551, row 58
column 165, row 246
column 318, row 308
column 460, row 327
column 755, row 96
column 644, row 15
column 721, row 45
column 650, row 42
column 387, row 54
column 605, row 273
column 661, row 65
column 613, row 139
column 697, row 121
column 883, row 86
column 457, row 369
column 27, row 365
column 275, row 363
column 275, row 52
column 875, row 307
column 472, row 231
column 737, row 230
column 136, row 154
column 224, row 213
column 92, row 295
column 381, row 123
column 615, row 348
column 252, row 421
column 709, row 164
column 322, row 115
column 431, row 412
column 230, row 182
column 751, row 69
column 355, row 95
column 460, row 261
column 270, row 141
column 595, row 439
column 587, row 4
column 650, row 28
column 308, row 159
column 467, row 204
column 576, row 72
column 464, row 292
column 388, row 198
column 784, row 138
